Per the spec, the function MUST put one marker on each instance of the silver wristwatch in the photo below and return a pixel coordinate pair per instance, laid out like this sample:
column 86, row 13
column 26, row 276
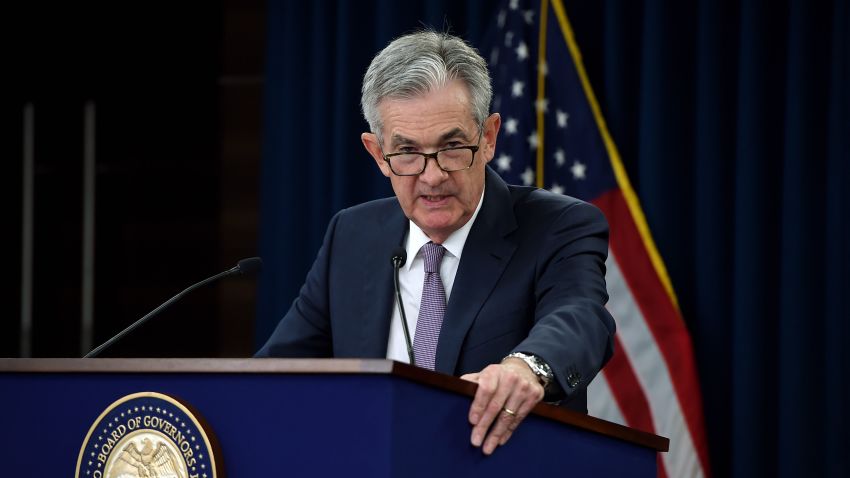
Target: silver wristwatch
column 538, row 366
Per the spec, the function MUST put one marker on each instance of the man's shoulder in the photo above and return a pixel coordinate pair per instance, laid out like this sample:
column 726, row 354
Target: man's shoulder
column 378, row 211
column 533, row 201
column 388, row 204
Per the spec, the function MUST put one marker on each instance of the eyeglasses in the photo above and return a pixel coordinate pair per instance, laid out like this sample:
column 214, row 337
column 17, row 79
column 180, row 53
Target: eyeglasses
column 413, row 163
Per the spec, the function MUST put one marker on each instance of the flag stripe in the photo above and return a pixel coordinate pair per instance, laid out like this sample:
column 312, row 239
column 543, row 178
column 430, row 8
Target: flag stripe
column 601, row 401
column 666, row 327
column 626, row 389
column 638, row 344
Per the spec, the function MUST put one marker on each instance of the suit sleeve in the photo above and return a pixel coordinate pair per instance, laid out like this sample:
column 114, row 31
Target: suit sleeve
column 573, row 331
column 305, row 330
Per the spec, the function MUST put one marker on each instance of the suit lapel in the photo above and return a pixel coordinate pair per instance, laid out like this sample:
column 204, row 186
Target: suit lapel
column 485, row 256
column 375, row 284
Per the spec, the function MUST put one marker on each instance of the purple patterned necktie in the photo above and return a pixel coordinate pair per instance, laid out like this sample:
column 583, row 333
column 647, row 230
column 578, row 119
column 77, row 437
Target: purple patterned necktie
column 431, row 308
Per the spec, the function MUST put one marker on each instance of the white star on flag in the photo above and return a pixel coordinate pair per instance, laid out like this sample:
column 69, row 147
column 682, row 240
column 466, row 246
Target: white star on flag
column 528, row 16
column 509, row 39
column 560, row 157
column 503, row 162
column 533, row 141
column 514, row 4
column 511, row 125
column 528, row 176
column 522, row 51
column 516, row 88
column 563, row 116
column 494, row 56
column 578, row 169
column 557, row 188
column 501, row 18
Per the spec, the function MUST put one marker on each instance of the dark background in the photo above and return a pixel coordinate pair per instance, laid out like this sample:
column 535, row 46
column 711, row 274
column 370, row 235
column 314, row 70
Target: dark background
column 731, row 117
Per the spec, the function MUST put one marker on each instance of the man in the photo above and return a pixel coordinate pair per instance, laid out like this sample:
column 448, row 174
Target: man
column 503, row 285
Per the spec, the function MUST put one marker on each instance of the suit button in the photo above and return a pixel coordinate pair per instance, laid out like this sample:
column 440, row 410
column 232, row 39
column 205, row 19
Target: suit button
column 573, row 379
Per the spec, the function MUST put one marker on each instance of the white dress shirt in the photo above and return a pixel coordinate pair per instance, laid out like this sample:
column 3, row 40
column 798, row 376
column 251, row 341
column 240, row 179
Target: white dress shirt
column 412, row 275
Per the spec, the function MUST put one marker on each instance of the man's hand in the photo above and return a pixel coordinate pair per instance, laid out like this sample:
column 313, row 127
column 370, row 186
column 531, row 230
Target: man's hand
column 506, row 394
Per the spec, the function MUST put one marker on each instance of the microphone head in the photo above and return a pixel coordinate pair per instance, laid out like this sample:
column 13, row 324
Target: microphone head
column 399, row 256
column 249, row 266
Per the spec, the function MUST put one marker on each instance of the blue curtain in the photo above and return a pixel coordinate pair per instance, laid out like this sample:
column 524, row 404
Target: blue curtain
column 732, row 118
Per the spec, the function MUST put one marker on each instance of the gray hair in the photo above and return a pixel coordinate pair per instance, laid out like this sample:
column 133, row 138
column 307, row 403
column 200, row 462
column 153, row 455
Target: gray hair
column 420, row 62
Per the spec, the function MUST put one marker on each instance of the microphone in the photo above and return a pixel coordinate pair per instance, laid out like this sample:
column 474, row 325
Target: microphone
column 247, row 266
column 398, row 258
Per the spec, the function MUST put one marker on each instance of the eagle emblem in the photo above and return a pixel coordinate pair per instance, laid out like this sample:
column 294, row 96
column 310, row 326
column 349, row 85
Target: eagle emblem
column 147, row 435
column 151, row 461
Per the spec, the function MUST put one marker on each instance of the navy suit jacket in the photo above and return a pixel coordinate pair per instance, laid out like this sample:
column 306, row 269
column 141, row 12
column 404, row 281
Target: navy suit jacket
column 531, row 279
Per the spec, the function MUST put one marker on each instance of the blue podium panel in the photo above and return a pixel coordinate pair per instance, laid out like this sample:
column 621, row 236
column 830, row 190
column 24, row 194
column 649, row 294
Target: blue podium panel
column 297, row 421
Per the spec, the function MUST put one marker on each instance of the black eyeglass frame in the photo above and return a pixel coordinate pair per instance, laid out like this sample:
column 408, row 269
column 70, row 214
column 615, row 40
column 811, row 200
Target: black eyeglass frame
column 474, row 148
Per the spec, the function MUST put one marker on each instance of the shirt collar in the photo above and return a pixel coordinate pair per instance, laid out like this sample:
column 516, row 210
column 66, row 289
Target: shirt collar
column 416, row 238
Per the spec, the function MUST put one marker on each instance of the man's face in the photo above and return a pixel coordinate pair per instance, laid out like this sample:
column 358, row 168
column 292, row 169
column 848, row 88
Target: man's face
column 438, row 202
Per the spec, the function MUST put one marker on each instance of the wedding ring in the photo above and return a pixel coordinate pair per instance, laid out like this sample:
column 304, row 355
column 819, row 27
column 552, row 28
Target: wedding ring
column 509, row 411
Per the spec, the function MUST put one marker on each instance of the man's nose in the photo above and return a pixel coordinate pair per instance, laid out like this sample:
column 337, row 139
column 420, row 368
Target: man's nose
column 433, row 175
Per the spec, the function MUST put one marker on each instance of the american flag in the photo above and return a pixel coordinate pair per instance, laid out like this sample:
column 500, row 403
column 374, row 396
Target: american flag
column 553, row 136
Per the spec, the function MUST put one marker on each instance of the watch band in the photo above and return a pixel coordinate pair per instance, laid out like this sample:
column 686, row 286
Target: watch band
column 540, row 368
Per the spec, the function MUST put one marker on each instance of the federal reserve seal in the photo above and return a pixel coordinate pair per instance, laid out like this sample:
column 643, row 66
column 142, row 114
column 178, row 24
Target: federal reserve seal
column 145, row 435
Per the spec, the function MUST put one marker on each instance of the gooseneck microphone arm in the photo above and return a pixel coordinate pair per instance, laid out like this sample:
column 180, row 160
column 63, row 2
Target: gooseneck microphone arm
column 399, row 257
column 245, row 266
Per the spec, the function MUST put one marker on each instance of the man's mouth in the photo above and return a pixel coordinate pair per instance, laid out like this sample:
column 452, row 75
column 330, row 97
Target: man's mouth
column 435, row 198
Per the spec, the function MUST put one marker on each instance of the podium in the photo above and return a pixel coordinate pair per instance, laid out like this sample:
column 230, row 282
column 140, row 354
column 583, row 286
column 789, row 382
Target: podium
column 298, row 417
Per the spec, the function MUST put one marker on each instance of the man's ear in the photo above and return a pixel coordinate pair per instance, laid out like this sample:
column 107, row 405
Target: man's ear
column 370, row 142
column 490, row 133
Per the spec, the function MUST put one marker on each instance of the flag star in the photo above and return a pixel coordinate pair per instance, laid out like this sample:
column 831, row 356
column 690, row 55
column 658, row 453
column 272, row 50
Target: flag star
column 533, row 141
column 527, row 176
column 494, row 57
column 563, row 117
column 509, row 39
column 514, row 4
column 528, row 16
column 501, row 18
column 516, row 88
column 579, row 170
column 511, row 126
column 542, row 104
column 560, row 157
column 504, row 162
column 557, row 188
column 543, row 67
column 522, row 51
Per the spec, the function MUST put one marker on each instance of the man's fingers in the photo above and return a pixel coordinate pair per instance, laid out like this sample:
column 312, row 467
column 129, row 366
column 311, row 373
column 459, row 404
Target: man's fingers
column 511, row 414
column 488, row 382
column 470, row 377
column 521, row 411
column 506, row 395
column 505, row 384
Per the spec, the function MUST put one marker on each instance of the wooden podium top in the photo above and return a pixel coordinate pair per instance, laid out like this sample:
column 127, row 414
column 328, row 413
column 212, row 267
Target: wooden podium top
column 320, row 366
